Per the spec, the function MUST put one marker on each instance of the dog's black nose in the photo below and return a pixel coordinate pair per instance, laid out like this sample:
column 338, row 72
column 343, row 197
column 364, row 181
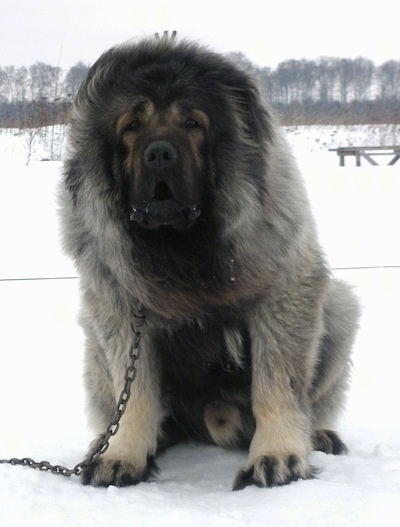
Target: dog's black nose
column 160, row 154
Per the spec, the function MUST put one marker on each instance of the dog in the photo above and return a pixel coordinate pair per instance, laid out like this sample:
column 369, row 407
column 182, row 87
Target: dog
column 180, row 198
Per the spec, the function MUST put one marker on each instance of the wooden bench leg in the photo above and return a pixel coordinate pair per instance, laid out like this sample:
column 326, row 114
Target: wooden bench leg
column 369, row 158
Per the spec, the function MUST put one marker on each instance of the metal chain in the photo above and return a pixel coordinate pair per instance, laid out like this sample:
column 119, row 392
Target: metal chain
column 104, row 439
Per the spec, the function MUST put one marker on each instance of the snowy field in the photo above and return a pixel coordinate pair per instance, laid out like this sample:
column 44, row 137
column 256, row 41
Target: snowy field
column 41, row 398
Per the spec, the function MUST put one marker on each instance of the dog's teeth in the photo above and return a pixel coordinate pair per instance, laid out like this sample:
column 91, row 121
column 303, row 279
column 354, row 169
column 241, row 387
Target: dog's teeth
column 193, row 213
column 136, row 215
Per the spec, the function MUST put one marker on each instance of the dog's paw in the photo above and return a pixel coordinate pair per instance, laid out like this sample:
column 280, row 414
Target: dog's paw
column 271, row 471
column 329, row 442
column 106, row 472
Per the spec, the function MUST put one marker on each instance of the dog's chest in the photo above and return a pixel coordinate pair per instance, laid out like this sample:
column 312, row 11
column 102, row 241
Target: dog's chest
column 211, row 356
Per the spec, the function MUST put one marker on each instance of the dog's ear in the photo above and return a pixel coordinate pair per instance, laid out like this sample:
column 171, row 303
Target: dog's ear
column 257, row 121
column 258, row 118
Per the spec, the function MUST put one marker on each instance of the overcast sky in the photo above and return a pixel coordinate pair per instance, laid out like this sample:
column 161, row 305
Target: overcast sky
column 62, row 32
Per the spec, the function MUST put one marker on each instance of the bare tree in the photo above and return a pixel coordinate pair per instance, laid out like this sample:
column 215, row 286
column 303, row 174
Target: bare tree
column 327, row 74
column 21, row 84
column 74, row 78
column 7, row 82
column 363, row 71
column 389, row 80
column 45, row 81
column 345, row 79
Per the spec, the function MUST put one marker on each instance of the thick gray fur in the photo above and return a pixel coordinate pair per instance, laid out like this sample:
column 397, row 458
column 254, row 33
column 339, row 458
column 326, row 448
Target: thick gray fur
column 270, row 288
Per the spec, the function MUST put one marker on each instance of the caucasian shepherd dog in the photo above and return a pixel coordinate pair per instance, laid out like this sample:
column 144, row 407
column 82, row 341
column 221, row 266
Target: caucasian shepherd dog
column 181, row 198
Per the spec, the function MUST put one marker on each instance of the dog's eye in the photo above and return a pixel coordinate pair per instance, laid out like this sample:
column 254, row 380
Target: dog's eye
column 134, row 125
column 191, row 123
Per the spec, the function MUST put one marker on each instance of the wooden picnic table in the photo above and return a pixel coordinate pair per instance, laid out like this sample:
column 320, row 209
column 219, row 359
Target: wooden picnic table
column 368, row 153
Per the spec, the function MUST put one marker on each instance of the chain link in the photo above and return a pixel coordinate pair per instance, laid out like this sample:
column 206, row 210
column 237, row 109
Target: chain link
column 103, row 441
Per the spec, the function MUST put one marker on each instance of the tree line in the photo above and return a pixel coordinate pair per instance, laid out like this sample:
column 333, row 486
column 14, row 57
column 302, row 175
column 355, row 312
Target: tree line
column 38, row 95
column 322, row 91
column 330, row 90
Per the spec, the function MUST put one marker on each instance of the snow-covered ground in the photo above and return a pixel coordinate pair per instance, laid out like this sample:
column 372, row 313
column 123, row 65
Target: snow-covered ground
column 41, row 398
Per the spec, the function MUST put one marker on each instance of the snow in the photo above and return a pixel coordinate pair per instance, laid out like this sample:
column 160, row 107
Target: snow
column 41, row 397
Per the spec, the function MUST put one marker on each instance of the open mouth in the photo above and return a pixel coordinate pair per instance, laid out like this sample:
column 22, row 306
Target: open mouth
column 162, row 192
column 164, row 210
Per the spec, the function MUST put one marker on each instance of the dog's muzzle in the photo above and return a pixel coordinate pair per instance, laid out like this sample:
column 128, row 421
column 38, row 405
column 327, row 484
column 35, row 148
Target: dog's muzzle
column 165, row 206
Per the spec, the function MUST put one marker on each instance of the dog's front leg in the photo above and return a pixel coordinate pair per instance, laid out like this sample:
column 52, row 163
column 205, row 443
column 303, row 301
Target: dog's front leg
column 130, row 456
column 284, row 340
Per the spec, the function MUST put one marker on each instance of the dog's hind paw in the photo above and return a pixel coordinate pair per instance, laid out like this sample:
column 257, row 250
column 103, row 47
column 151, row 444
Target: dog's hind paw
column 329, row 442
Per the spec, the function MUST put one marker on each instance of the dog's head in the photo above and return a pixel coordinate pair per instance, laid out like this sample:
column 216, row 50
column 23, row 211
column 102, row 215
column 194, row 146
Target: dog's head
column 169, row 123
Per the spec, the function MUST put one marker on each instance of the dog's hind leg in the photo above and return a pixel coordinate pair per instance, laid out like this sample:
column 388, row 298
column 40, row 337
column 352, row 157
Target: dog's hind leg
column 332, row 372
